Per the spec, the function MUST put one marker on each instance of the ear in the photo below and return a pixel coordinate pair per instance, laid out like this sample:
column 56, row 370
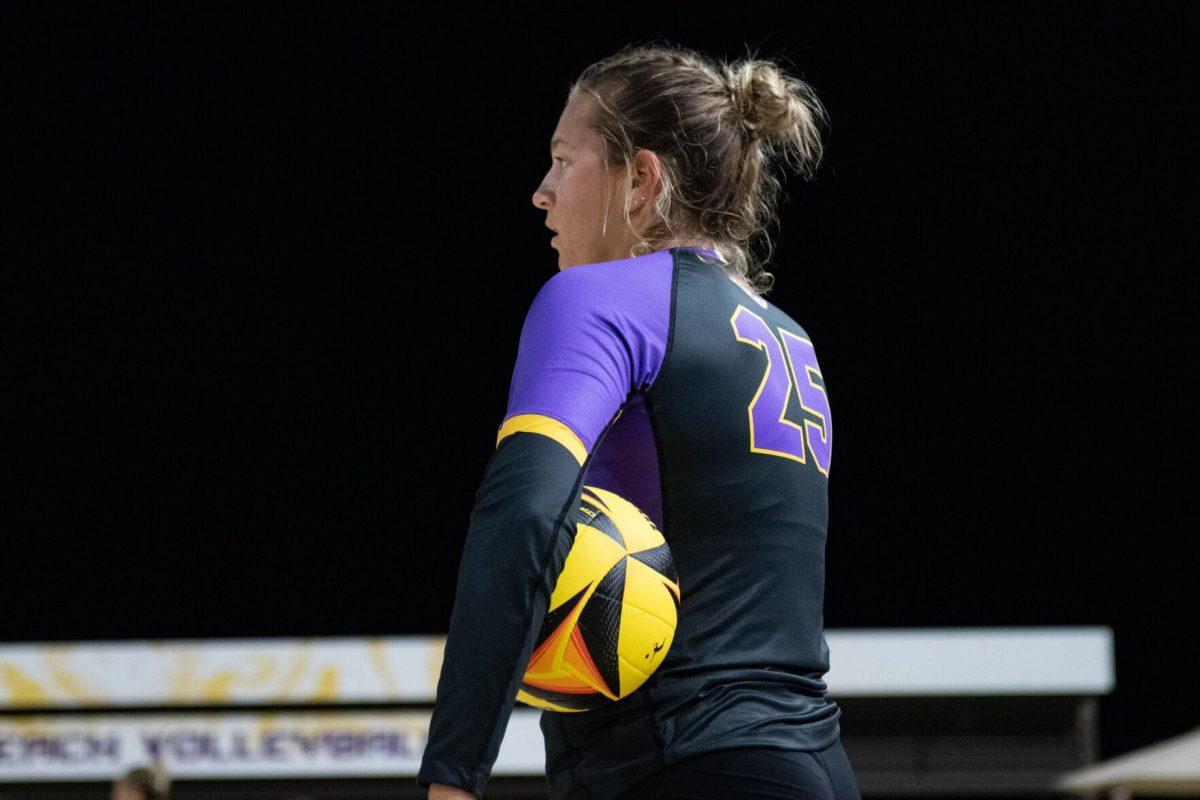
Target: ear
column 646, row 179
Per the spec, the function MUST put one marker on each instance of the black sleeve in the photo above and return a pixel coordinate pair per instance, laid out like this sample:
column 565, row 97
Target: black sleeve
column 518, row 539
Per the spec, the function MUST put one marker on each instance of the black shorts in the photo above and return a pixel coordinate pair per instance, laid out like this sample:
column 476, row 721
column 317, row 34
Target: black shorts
column 753, row 774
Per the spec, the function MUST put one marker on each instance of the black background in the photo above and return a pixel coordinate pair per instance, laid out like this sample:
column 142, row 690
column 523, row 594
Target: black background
column 267, row 269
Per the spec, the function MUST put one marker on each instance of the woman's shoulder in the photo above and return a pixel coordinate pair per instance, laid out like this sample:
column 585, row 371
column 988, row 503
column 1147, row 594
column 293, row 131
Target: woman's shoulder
column 623, row 271
column 641, row 285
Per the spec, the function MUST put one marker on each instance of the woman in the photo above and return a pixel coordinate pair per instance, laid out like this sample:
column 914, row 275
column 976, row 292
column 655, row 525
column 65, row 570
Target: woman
column 651, row 366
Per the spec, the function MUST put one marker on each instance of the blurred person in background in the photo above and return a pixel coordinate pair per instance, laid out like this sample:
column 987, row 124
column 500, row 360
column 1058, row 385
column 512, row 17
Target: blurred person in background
column 143, row 783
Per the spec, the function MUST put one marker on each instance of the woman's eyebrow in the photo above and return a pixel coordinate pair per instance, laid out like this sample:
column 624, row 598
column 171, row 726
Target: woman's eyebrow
column 559, row 141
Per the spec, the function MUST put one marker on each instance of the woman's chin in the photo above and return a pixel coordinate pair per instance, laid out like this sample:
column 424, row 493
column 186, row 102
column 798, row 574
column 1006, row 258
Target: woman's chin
column 566, row 261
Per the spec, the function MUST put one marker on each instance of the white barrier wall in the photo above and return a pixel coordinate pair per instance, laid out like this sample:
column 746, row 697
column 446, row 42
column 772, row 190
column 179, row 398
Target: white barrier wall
column 58, row 679
column 966, row 661
column 220, row 672
column 405, row 669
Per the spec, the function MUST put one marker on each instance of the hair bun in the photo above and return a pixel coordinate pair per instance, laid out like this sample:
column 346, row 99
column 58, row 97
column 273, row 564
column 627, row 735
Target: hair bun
column 777, row 108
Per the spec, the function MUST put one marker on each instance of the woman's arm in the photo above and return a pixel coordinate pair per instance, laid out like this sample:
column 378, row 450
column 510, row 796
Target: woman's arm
column 518, row 539
column 592, row 335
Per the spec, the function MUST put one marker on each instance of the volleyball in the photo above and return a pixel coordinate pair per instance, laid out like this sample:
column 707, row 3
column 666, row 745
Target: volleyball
column 612, row 614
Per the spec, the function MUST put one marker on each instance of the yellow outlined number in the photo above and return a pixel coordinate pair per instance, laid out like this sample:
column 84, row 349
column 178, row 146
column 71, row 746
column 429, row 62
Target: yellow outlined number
column 771, row 432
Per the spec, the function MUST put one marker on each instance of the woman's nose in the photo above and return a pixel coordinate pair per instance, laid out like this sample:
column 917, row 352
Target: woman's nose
column 541, row 198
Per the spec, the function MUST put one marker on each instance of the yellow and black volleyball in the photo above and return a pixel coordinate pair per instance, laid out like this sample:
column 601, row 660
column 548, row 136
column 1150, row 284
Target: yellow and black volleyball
column 612, row 614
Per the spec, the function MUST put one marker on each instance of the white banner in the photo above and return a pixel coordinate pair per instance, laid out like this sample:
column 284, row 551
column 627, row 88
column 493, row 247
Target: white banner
column 220, row 672
column 970, row 661
column 232, row 745
column 329, row 672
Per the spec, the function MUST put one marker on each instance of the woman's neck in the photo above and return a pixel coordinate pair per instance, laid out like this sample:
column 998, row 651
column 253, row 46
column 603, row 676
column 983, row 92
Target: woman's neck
column 698, row 244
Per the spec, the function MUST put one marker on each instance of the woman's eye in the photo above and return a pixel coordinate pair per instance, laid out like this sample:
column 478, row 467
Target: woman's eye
column 560, row 160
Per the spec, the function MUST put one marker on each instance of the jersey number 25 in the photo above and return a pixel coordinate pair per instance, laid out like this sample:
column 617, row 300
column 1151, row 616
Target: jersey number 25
column 770, row 430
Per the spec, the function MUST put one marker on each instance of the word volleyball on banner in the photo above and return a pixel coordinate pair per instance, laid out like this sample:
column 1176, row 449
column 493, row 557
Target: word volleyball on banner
column 233, row 745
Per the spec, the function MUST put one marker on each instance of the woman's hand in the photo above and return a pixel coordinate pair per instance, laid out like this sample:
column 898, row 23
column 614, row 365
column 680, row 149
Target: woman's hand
column 440, row 791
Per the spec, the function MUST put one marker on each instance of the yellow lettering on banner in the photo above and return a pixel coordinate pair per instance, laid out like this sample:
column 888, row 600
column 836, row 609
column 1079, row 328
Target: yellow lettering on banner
column 378, row 654
column 295, row 672
column 327, row 684
column 23, row 690
column 218, row 688
column 267, row 722
column 65, row 679
column 183, row 674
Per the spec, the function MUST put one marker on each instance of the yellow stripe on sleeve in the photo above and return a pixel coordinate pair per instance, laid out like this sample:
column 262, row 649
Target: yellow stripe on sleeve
column 546, row 426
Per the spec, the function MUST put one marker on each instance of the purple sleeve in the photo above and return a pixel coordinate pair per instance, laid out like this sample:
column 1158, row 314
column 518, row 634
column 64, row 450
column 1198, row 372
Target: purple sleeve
column 594, row 335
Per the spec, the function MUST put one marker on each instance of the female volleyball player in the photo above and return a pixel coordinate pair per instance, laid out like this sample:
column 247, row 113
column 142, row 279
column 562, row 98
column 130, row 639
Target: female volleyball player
column 651, row 365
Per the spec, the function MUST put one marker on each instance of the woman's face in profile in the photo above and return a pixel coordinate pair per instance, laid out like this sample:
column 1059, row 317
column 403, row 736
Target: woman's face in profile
column 583, row 200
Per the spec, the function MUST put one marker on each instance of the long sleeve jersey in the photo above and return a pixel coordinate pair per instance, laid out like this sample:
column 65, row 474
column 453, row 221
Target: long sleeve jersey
column 662, row 379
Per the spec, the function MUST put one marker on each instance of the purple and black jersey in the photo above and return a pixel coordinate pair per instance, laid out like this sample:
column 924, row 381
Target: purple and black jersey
column 663, row 380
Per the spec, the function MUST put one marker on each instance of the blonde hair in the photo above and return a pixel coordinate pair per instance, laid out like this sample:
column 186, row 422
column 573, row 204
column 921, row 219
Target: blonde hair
column 721, row 132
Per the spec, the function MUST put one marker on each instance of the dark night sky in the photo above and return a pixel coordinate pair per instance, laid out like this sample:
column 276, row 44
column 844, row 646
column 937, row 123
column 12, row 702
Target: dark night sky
column 271, row 267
